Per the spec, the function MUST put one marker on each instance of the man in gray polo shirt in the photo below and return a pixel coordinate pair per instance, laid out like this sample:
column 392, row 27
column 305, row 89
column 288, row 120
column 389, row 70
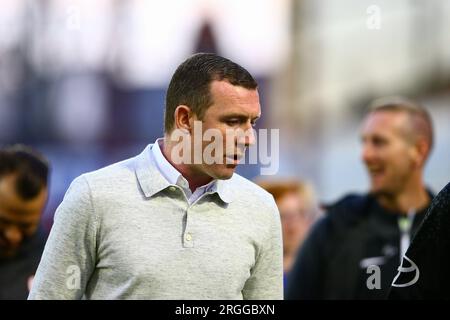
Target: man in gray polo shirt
column 163, row 225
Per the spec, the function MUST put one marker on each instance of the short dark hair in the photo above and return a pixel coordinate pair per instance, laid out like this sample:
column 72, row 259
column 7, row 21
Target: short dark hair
column 420, row 119
column 31, row 167
column 190, row 84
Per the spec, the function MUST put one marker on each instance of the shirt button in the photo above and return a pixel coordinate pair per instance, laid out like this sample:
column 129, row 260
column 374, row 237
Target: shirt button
column 172, row 188
column 188, row 237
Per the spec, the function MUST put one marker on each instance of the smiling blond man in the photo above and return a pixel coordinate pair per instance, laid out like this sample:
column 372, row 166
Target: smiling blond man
column 353, row 252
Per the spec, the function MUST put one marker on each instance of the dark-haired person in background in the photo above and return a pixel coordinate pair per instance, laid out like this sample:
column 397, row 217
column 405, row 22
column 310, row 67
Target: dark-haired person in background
column 366, row 235
column 424, row 271
column 23, row 195
column 155, row 227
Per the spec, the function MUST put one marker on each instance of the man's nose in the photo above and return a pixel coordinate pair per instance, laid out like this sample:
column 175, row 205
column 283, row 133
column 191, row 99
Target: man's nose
column 249, row 137
column 366, row 153
column 13, row 236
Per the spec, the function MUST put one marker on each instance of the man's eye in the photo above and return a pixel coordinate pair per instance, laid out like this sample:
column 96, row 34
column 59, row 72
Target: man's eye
column 379, row 142
column 233, row 122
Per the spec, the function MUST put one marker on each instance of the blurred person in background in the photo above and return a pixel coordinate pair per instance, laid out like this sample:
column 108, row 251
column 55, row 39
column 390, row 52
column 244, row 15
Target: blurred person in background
column 354, row 250
column 155, row 227
column 23, row 195
column 423, row 273
column 296, row 201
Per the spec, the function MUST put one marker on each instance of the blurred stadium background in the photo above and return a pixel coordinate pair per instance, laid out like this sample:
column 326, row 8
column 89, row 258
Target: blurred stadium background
column 84, row 81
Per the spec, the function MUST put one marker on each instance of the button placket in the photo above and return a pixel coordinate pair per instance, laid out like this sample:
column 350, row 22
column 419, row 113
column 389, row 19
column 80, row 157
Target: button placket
column 176, row 190
column 188, row 236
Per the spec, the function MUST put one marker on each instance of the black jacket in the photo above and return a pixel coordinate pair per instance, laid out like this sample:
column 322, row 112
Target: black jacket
column 429, row 256
column 16, row 271
column 333, row 262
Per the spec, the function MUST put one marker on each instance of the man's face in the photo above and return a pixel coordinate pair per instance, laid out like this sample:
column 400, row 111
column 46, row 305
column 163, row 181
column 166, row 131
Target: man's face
column 234, row 109
column 18, row 218
column 295, row 220
column 386, row 152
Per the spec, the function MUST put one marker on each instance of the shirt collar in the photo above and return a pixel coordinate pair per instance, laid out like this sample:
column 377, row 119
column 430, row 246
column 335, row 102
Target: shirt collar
column 149, row 177
column 167, row 170
column 155, row 174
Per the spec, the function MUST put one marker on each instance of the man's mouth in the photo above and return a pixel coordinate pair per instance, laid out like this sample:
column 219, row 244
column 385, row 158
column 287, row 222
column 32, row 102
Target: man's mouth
column 375, row 170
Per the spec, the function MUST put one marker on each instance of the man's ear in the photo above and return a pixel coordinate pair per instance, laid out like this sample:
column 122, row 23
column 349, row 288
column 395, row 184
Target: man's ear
column 183, row 115
column 421, row 150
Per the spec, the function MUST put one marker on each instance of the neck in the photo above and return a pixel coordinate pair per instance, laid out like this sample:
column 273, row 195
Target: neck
column 288, row 260
column 195, row 178
column 413, row 196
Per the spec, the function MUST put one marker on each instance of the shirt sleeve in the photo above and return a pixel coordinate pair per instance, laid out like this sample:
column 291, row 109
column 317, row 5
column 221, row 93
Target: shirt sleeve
column 266, row 278
column 69, row 256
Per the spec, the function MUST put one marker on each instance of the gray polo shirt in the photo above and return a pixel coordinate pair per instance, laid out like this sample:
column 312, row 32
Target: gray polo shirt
column 124, row 232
